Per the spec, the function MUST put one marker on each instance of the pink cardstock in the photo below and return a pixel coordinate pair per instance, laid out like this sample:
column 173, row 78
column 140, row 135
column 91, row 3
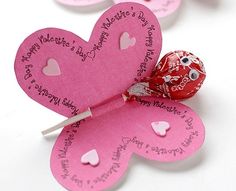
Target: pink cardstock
column 66, row 74
column 80, row 2
column 90, row 72
column 161, row 8
column 119, row 134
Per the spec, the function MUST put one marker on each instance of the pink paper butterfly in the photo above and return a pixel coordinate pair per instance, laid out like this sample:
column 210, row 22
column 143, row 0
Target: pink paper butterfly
column 161, row 8
column 68, row 75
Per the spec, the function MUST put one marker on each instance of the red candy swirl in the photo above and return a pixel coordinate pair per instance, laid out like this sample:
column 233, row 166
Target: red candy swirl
column 178, row 75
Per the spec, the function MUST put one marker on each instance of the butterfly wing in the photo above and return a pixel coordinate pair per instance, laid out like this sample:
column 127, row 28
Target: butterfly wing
column 117, row 135
column 64, row 73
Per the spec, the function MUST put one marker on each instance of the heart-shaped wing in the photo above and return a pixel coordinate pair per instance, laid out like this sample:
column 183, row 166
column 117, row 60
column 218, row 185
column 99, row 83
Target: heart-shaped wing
column 90, row 72
column 117, row 135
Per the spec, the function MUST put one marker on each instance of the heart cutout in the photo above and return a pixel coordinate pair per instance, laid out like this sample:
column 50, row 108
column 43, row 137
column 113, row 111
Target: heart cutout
column 52, row 68
column 126, row 41
column 91, row 157
column 160, row 127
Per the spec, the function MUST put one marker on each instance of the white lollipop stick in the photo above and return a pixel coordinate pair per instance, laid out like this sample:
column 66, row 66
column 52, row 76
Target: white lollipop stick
column 88, row 113
column 69, row 121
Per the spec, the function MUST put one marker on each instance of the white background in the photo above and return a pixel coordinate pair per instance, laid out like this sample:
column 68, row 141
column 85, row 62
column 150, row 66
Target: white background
column 204, row 27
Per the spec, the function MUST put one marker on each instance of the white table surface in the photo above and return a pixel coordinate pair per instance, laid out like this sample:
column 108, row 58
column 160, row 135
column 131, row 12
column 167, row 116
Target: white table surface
column 205, row 27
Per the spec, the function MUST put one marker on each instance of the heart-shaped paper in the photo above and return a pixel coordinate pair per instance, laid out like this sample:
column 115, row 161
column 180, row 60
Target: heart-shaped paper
column 52, row 68
column 117, row 135
column 160, row 127
column 93, row 71
column 126, row 41
column 91, row 157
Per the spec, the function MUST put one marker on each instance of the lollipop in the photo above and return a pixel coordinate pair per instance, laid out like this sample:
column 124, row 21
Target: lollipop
column 178, row 76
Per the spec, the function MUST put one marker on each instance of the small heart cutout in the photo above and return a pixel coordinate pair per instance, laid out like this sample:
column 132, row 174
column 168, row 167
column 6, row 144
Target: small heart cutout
column 126, row 41
column 52, row 68
column 91, row 158
column 160, row 127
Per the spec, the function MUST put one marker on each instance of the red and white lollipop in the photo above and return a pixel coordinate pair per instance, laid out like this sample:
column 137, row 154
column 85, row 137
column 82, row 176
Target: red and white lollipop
column 178, row 75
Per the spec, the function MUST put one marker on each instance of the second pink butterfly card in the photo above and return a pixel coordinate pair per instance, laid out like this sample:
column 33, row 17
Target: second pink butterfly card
column 161, row 8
